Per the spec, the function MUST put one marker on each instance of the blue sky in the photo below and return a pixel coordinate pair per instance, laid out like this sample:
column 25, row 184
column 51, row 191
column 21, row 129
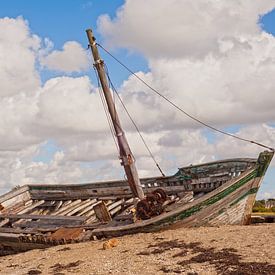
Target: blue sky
column 65, row 20
column 268, row 22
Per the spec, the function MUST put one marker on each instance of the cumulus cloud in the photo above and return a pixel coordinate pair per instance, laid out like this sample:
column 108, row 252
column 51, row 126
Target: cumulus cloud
column 72, row 58
column 68, row 105
column 219, row 68
column 64, row 109
column 17, row 57
column 181, row 28
column 211, row 59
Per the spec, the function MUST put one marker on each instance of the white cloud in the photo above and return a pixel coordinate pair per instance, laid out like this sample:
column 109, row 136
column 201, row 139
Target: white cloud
column 181, row 28
column 64, row 109
column 17, row 114
column 72, row 58
column 17, row 57
column 69, row 105
column 227, row 79
column 212, row 59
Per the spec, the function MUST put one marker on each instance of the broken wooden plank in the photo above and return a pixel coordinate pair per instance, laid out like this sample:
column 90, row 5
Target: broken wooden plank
column 35, row 225
column 40, row 217
column 18, row 230
column 81, row 207
column 115, row 204
column 29, row 208
column 69, row 206
column 14, row 208
column 102, row 212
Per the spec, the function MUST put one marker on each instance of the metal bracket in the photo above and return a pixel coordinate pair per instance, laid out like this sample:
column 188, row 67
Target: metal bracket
column 99, row 61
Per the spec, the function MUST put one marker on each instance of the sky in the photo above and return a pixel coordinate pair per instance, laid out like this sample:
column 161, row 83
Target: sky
column 215, row 60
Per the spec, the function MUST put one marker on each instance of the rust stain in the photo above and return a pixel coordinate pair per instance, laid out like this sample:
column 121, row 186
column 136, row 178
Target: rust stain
column 67, row 233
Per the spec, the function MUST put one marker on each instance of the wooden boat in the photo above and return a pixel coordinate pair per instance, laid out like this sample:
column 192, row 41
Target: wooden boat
column 215, row 193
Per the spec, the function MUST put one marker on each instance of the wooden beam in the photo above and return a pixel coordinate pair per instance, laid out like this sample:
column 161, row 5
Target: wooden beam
column 83, row 205
column 40, row 217
column 115, row 204
column 102, row 212
column 32, row 206
column 64, row 210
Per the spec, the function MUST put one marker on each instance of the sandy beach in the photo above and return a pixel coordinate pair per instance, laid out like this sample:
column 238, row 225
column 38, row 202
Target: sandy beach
column 205, row 250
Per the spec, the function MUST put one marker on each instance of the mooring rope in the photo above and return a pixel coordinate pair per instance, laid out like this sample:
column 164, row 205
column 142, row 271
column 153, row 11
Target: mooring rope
column 180, row 109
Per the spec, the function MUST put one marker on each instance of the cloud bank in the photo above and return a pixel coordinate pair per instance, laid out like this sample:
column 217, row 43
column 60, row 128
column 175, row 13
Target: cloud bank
column 213, row 59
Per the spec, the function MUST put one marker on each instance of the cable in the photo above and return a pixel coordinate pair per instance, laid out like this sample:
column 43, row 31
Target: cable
column 106, row 112
column 180, row 109
column 135, row 125
column 114, row 99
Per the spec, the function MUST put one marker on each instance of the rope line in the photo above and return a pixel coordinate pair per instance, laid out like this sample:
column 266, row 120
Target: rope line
column 180, row 109
column 106, row 112
column 135, row 125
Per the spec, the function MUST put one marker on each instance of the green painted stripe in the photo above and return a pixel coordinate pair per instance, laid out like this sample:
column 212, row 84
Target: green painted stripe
column 249, row 192
column 189, row 212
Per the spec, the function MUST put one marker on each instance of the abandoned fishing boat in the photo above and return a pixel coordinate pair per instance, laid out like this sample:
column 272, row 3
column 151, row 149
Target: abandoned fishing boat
column 215, row 193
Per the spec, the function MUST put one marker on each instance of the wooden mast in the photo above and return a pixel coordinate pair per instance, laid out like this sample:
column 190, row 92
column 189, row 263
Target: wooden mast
column 126, row 156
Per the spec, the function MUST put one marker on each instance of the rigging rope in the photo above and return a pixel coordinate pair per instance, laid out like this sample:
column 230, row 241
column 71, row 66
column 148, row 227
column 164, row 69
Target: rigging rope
column 106, row 112
column 180, row 109
column 114, row 99
column 135, row 125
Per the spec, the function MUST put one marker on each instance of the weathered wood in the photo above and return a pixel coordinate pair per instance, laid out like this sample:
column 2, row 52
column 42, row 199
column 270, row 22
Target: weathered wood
column 102, row 212
column 8, row 237
column 14, row 208
column 15, row 195
column 82, row 206
column 115, row 204
column 115, row 210
column 228, row 203
column 111, row 193
column 67, row 206
column 30, row 207
column 58, row 205
column 88, row 208
column 70, row 207
column 48, row 224
column 18, row 230
column 4, row 222
column 40, row 217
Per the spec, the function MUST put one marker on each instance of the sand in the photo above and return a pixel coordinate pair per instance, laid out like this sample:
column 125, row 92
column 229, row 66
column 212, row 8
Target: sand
column 204, row 250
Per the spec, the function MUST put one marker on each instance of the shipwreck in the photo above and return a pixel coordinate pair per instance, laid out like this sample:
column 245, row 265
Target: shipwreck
column 215, row 193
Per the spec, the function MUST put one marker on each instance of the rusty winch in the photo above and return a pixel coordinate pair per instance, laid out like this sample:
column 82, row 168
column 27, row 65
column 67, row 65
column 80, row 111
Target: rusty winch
column 151, row 205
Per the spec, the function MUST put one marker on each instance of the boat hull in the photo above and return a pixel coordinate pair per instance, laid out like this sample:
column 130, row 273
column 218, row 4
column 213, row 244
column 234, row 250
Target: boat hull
column 34, row 216
column 229, row 204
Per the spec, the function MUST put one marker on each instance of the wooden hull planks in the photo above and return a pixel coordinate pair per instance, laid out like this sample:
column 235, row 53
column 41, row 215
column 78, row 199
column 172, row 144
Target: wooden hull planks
column 229, row 204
